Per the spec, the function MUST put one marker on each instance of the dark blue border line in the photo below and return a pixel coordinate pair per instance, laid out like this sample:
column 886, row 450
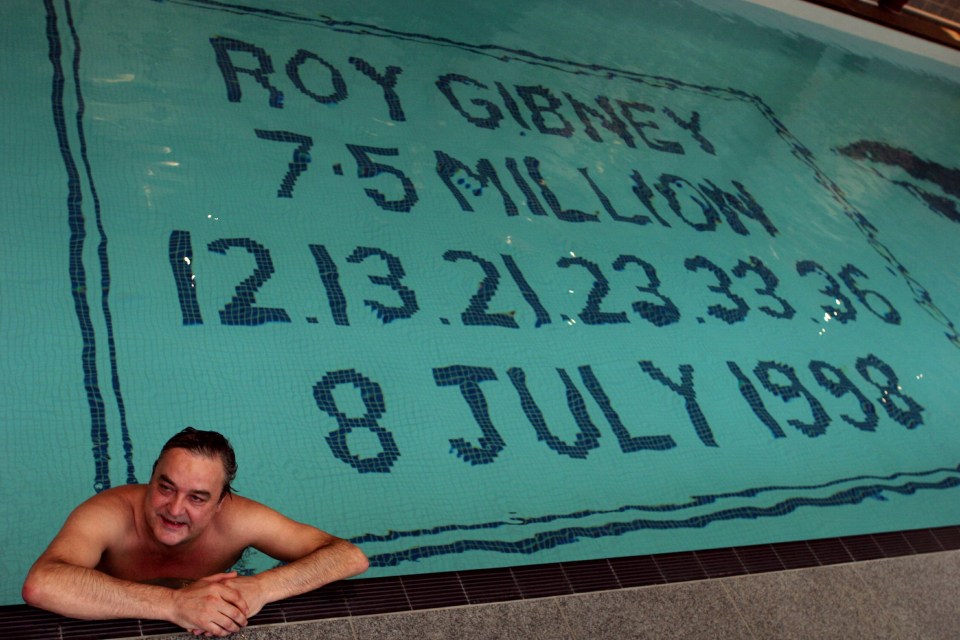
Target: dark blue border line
column 78, row 234
column 568, row 535
column 101, row 253
column 920, row 294
column 694, row 502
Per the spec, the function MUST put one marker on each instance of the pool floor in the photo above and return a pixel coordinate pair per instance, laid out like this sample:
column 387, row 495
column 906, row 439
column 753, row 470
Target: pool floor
column 890, row 585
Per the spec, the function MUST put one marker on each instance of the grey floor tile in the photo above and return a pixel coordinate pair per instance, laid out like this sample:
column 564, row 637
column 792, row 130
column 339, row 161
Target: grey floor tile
column 338, row 629
column 823, row 603
column 921, row 591
column 534, row 619
column 699, row 610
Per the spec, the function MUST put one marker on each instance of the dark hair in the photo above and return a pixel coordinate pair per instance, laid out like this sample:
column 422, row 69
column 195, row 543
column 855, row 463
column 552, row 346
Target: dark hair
column 209, row 444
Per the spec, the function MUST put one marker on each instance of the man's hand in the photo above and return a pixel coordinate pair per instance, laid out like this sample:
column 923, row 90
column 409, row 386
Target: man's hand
column 210, row 606
column 250, row 590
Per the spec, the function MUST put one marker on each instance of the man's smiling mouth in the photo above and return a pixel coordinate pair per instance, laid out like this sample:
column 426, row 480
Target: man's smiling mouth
column 172, row 524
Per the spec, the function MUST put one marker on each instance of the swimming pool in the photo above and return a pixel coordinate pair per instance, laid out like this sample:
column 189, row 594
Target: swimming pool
column 506, row 284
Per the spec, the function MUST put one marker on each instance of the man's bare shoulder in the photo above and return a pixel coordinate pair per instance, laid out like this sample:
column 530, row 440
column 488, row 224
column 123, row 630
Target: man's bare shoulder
column 249, row 518
column 96, row 525
column 254, row 524
column 113, row 510
column 239, row 520
column 120, row 502
column 238, row 509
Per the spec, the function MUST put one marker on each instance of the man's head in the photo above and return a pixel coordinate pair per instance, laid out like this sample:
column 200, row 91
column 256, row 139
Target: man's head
column 208, row 444
column 190, row 480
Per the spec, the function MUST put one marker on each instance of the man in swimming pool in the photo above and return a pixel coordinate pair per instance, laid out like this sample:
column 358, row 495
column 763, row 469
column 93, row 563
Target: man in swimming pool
column 119, row 553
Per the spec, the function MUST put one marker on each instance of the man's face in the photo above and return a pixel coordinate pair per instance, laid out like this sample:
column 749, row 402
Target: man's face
column 183, row 496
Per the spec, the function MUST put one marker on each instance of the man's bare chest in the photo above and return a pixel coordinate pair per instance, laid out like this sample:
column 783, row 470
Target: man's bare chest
column 140, row 563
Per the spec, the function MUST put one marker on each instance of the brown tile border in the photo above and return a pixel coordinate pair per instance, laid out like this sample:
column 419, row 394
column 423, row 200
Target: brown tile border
column 431, row 591
column 905, row 21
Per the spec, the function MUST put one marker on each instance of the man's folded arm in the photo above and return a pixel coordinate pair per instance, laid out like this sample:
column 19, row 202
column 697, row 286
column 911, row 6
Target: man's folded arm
column 313, row 558
column 81, row 592
column 64, row 580
column 208, row 605
column 333, row 559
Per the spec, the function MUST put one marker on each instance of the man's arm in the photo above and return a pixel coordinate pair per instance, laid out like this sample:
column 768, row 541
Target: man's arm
column 64, row 579
column 314, row 558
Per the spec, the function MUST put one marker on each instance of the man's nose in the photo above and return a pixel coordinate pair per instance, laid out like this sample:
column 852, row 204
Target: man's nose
column 177, row 505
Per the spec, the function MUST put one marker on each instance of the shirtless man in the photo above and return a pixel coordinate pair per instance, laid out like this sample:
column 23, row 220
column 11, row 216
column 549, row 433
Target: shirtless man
column 186, row 527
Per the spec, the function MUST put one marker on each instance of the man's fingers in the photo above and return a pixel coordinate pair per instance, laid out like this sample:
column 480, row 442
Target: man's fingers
column 219, row 577
column 235, row 598
column 233, row 612
column 229, row 618
column 230, row 624
column 228, row 593
column 222, row 625
column 209, row 607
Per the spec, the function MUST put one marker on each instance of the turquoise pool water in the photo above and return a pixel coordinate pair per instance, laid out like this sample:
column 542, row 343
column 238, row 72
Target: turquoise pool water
column 482, row 286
